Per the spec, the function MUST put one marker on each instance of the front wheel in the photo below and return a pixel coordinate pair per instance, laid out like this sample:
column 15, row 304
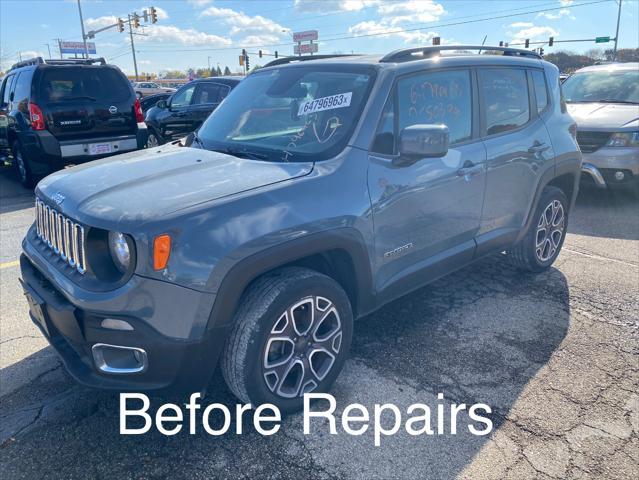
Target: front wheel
column 291, row 336
column 27, row 179
column 543, row 241
column 152, row 140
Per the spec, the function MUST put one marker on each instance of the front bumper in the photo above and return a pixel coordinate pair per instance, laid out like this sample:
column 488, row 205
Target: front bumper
column 171, row 364
column 601, row 166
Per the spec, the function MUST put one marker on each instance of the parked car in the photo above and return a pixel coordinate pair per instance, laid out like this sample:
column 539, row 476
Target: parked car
column 148, row 102
column 185, row 110
column 61, row 112
column 604, row 101
column 142, row 89
column 321, row 189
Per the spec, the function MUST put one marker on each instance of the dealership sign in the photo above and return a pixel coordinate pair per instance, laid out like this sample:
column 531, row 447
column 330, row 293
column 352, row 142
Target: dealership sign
column 306, row 36
column 77, row 47
column 303, row 48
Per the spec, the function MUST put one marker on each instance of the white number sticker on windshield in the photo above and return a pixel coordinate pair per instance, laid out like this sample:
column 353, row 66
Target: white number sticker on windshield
column 340, row 100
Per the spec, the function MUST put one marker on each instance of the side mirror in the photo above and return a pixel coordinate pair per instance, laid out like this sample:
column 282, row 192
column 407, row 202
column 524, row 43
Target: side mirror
column 423, row 141
column 161, row 104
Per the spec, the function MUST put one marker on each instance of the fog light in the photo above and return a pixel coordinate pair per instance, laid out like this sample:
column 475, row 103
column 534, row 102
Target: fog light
column 116, row 359
column 114, row 324
column 619, row 176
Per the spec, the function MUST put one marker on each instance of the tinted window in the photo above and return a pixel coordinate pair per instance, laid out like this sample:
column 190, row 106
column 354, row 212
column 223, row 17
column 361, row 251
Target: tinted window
column 505, row 95
column 69, row 83
column 182, row 97
column 207, row 93
column 22, row 90
column 437, row 98
column 6, row 92
column 541, row 93
column 224, row 91
column 385, row 137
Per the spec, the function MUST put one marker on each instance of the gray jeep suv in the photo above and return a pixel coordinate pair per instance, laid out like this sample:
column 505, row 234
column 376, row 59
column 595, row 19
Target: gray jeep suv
column 319, row 190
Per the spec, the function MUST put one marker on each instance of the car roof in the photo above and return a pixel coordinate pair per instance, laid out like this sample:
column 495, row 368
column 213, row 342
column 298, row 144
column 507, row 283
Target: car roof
column 231, row 80
column 619, row 66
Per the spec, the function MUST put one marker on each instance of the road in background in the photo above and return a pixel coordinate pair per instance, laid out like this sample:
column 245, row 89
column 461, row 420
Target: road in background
column 554, row 354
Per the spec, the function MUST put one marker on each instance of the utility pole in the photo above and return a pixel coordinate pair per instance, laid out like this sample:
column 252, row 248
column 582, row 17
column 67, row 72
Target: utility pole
column 49, row 49
column 84, row 37
column 614, row 52
column 135, row 62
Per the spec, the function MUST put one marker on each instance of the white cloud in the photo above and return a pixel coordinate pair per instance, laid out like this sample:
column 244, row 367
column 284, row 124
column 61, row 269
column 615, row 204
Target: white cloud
column 564, row 12
column 189, row 36
column 258, row 40
column 161, row 13
column 521, row 24
column 565, row 3
column 100, row 22
column 199, row 3
column 242, row 23
column 333, row 5
column 26, row 55
column 383, row 30
column 534, row 32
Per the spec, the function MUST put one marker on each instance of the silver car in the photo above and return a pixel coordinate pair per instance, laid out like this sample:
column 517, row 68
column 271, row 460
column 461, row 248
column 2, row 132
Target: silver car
column 604, row 101
column 142, row 89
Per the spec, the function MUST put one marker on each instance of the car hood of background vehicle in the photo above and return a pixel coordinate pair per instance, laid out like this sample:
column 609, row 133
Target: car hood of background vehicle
column 604, row 115
column 148, row 184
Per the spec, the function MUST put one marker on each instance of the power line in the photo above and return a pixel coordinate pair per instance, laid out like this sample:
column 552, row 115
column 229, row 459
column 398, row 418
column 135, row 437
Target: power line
column 386, row 32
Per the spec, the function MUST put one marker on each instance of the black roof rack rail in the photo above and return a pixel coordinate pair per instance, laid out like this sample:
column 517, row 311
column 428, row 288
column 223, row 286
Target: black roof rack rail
column 285, row 60
column 58, row 61
column 407, row 54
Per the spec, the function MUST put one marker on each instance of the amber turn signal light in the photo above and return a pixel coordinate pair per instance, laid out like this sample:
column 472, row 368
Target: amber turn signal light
column 161, row 251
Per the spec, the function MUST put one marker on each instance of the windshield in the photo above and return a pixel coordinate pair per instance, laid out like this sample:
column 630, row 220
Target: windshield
column 603, row 86
column 303, row 113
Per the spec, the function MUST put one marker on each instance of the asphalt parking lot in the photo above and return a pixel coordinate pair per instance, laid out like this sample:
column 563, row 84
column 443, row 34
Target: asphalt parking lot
column 555, row 355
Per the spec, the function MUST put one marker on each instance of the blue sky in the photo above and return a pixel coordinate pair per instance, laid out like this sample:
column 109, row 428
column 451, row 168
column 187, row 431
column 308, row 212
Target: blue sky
column 190, row 31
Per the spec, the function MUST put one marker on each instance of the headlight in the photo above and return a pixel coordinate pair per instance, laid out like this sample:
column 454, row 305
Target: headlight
column 120, row 251
column 624, row 139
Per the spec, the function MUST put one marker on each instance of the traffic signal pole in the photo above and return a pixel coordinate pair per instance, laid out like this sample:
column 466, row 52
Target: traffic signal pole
column 614, row 52
column 84, row 37
column 135, row 62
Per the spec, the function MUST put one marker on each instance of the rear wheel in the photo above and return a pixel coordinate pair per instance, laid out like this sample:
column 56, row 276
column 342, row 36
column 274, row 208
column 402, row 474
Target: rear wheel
column 21, row 163
column 291, row 336
column 543, row 241
column 152, row 140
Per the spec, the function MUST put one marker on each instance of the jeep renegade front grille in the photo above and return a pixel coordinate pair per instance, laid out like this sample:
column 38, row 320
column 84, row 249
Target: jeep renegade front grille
column 62, row 235
column 592, row 141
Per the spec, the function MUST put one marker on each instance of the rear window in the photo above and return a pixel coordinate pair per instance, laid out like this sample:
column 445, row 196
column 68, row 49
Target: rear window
column 71, row 83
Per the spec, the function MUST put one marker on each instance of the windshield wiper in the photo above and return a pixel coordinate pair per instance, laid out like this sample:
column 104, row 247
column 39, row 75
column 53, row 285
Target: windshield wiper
column 618, row 101
column 242, row 153
column 78, row 97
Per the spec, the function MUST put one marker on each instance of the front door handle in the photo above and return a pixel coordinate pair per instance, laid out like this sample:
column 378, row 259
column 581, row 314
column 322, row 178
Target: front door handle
column 469, row 169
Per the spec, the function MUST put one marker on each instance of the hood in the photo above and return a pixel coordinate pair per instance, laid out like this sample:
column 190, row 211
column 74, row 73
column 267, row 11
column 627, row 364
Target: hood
column 604, row 116
column 147, row 184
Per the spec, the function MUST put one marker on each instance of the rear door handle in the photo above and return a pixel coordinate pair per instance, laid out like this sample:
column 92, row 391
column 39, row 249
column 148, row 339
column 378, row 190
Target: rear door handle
column 538, row 148
column 470, row 169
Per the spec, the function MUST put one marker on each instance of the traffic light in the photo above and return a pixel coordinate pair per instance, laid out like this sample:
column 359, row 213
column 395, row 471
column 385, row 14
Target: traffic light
column 527, row 44
column 120, row 25
column 260, row 53
column 241, row 60
column 551, row 40
column 501, row 43
column 541, row 51
column 248, row 65
column 136, row 20
column 145, row 15
column 436, row 41
column 275, row 53
column 154, row 15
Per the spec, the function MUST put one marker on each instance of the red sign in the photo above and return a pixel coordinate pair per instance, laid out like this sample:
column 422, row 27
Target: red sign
column 307, row 36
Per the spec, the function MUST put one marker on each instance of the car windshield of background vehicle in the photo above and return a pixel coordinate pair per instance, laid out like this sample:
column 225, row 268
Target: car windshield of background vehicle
column 603, row 86
column 304, row 113
column 69, row 83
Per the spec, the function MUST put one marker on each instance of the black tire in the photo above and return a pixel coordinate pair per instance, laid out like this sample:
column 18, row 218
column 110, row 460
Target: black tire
column 21, row 164
column 261, row 310
column 525, row 255
column 152, row 133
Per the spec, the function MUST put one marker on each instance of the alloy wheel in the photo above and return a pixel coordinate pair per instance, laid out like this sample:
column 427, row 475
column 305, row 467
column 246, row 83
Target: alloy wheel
column 302, row 347
column 550, row 230
column 152, row 141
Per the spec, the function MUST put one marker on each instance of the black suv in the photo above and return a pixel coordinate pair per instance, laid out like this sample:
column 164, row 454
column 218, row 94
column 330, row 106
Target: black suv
column 67, row 111
column 187, row 108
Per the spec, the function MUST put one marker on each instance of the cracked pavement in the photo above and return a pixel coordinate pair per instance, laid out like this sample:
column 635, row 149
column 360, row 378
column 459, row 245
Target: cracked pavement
column 555, row 355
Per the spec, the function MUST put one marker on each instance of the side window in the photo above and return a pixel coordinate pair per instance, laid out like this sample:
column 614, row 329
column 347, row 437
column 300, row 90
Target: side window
column 21, row 90
column 224, row 91
column 541, row 92
column 6, row 89
column 505, row 95
column 182, row 98
column 384, row 141
column 207, row 93
column 437, row 98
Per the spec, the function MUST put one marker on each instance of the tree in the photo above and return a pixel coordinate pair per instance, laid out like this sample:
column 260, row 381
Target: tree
column 174, row 74
column 623, row 55
column 218, row 71
column 202, row 73
column 227, row 71
column 256, row 67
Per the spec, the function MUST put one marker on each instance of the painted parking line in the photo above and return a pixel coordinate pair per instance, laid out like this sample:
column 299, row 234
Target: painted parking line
column 15, row 263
